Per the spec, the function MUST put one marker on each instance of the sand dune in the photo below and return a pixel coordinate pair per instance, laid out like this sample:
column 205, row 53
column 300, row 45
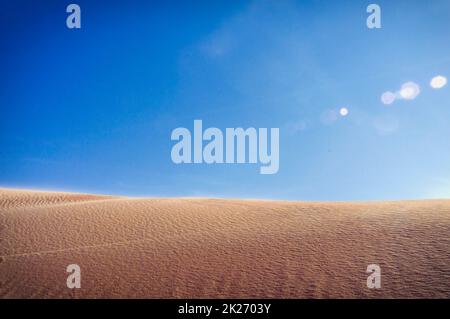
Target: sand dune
column 208, row 248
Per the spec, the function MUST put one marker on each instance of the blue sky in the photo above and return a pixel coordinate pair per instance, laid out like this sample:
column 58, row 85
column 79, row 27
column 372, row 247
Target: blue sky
column 92, row 110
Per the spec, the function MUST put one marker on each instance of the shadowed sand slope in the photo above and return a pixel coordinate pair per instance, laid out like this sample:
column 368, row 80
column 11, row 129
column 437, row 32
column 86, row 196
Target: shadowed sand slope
column 200, row 248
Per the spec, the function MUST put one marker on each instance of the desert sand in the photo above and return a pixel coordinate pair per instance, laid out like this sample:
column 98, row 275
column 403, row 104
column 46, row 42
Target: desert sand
column 214, row 248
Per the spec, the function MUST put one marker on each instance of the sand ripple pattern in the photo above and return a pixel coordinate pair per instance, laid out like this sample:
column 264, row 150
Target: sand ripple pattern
column 206, row 248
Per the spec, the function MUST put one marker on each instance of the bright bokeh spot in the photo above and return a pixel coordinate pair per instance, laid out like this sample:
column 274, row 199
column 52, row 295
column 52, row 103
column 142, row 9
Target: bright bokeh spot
column 388, row 98
column 343, row 111
column 409, row 91
column 438, row 82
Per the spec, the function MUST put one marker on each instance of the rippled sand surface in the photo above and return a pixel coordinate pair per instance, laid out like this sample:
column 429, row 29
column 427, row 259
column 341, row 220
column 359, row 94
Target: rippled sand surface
column 208, row 248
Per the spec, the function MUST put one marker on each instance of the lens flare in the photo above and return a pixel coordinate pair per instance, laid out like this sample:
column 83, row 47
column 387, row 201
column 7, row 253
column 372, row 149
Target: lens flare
column 409, row 91
column 438, row 82
column 388, row 97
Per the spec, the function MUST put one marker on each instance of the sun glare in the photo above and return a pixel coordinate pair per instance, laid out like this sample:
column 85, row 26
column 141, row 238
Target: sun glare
column 343, row 111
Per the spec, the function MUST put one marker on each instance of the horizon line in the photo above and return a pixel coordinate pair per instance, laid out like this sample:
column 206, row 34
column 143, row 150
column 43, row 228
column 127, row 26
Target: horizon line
column 46, row 190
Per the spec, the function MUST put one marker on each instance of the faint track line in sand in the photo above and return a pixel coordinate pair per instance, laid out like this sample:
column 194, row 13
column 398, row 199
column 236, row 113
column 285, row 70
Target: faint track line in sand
column 54, row 251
